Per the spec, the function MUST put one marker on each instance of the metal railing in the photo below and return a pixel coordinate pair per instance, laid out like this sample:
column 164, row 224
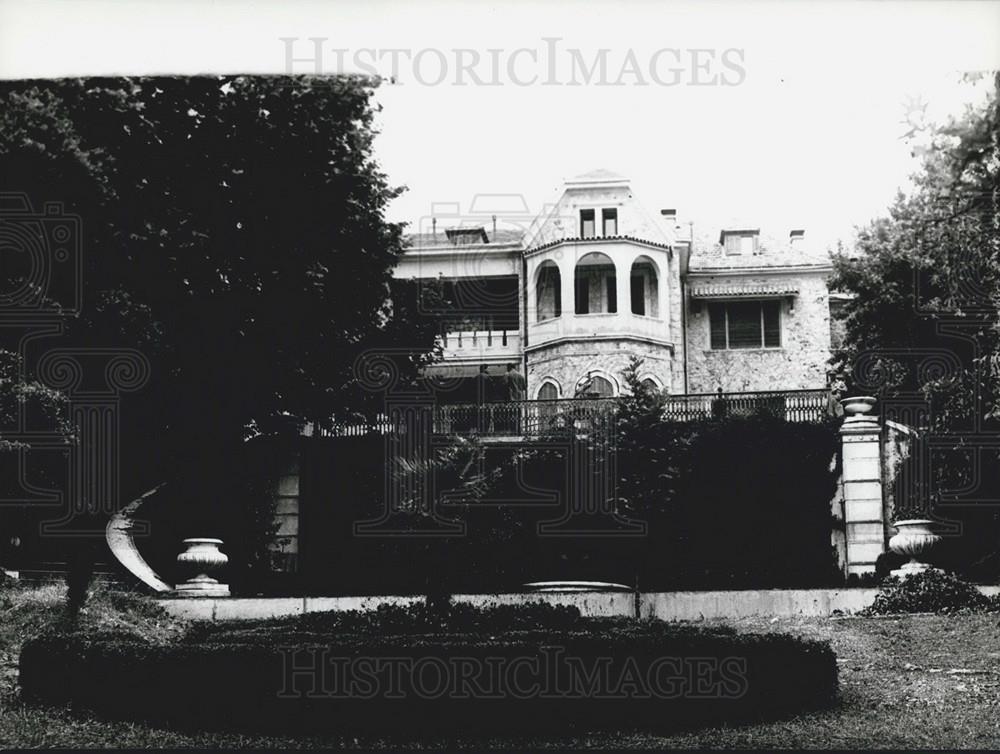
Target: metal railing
column 791, row 405
column 521, row 418
column 537, row 418
column 478, row 339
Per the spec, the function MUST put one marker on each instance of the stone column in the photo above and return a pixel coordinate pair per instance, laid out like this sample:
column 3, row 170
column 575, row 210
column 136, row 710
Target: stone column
column 623, row 273
column 864, row 522
column 527, row 295
column 567, row 278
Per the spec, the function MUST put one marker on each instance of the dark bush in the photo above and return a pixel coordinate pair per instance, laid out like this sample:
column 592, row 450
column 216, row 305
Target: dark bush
column 478, row 670
column 931, row 591
column 764, row 523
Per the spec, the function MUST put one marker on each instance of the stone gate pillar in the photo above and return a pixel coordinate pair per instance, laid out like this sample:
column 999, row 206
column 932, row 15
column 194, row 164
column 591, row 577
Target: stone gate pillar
column 864, row 523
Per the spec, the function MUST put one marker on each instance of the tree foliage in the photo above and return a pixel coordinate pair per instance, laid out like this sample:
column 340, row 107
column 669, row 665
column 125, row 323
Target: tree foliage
column 926, row 279
column 234, row 233
column 923, row 328
column 29, row 401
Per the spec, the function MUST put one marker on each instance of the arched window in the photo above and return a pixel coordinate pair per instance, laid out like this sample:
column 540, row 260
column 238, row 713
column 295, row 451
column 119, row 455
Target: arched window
column 602, row 387
column 548, row 291
column 595, row 386
column 650, row 384
column 595, row 286
column 645, row 288
column 547, row 410
column 549, row 391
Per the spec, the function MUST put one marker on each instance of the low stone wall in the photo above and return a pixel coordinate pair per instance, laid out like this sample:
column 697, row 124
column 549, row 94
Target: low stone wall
column 253, row 608
column 590, row 604
column 663, row 605
column 742, row 604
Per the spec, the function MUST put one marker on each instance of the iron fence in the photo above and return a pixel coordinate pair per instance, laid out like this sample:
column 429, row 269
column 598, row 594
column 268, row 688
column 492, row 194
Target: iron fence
column 541, row 417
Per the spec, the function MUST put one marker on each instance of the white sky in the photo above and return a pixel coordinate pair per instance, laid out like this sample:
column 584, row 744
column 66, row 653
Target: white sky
column 811, row 138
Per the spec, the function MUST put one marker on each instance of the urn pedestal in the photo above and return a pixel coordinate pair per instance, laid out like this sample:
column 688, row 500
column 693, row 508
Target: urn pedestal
column 914, row 539
column 201, row 559
column 858, row 407
column 863, row 506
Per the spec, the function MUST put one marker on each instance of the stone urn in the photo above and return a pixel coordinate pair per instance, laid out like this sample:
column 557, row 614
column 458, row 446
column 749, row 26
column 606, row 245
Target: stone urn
column 858, row 406
column 914, row 539
column 202, row 558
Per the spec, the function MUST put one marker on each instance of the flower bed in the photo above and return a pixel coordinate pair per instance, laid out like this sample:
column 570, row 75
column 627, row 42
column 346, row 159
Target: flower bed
column 411, row 669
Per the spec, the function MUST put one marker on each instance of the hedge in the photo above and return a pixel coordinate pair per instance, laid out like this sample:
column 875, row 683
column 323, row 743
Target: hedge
column 763, row 523
column 599, row 674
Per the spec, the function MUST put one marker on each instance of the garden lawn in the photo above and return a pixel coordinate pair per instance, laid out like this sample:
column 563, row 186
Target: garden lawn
column 915, row 681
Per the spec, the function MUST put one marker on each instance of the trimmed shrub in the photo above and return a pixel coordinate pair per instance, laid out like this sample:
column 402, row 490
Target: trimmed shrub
column 475, row 670
column 405, row 620
column 931, row 591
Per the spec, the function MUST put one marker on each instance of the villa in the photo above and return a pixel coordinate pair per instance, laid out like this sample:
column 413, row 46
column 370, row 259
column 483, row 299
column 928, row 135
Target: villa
column 568, row 298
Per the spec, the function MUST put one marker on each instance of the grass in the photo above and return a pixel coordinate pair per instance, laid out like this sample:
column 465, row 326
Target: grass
column 920, row 681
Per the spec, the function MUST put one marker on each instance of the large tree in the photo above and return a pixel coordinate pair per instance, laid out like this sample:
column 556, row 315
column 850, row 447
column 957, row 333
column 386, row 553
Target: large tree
column 922, row 327
column 234, row 232
column 926, row 278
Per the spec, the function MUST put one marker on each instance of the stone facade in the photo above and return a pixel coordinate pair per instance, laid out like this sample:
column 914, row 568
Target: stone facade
column 800, row 362
column 572, row 249
column 567, row 364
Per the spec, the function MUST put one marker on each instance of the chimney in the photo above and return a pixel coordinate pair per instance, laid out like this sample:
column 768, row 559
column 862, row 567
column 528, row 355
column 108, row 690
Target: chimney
column 670, row 215
column 795, row 238
column 494, row 228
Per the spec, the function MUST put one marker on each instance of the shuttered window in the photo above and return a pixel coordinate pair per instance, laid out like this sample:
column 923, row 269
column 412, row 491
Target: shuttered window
column 772, row 326
column 741, row 243
column 745, row 324
column 717, row 315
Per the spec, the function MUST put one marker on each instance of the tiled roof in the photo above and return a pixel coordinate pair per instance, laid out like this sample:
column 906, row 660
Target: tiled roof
column 430, row 240
column 598, row 239
column 709, row 255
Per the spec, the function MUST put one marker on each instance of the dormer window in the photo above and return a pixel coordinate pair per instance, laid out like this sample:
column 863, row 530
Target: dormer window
column 588, row 227
column 740, row 242
column 466, row 236
column 609, row 220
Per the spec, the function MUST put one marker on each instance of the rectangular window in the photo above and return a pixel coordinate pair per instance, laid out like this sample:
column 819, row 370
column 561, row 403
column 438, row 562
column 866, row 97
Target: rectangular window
column 745, row 324
column 587, row 228
column 609, row 218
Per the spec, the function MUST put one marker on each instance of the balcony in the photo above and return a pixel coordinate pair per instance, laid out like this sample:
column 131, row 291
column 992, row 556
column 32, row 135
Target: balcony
column 480, row 345
column 620, row 324
column 517, row 420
